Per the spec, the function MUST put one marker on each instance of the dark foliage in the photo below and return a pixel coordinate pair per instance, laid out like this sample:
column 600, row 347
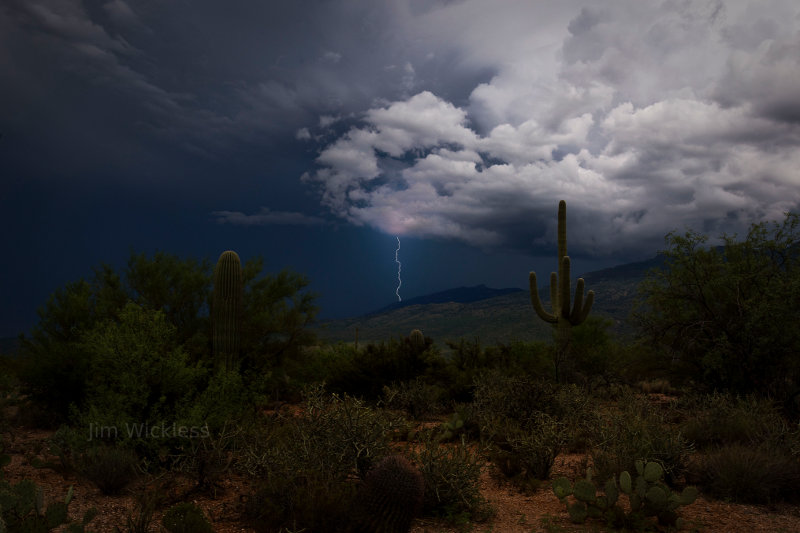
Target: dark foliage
column 727, row 316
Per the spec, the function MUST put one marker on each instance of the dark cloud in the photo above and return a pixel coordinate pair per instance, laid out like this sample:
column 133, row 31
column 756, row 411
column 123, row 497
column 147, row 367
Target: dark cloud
column 266, row 217
column 462, row 120
column 644, row 117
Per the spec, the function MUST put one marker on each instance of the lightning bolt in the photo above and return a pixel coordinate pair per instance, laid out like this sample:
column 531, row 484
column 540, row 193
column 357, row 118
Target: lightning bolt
column 399, row 267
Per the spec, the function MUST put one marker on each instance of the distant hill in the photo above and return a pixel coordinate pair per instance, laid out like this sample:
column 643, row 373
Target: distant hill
column 459, row 295
column 490, row 315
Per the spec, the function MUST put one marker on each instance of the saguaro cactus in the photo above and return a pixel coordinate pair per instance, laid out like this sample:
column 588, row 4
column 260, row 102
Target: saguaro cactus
column 562, row 316
column 227, row 309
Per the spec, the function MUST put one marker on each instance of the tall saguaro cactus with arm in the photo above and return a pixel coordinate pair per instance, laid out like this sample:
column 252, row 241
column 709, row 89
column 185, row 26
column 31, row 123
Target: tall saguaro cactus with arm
column 562, row 316
column 227, row 309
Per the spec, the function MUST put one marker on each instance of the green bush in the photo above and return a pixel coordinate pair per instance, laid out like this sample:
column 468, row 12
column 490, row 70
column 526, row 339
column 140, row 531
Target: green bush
column 468, row 360
column 146, row 504
column 726, row 316
column 185, row 517
column 151, row 324
column 300, row 501
column 224, row 399
column 110, row 468
column 523, row 399
column 524, row 454
column 518, row 398
column 451, row 475
column 364, row 373
column 750, row 474
column 638, row 431
column 138, row 383
column 719, row 419
column 416, row 397
column 306, row 463
column 593, row 352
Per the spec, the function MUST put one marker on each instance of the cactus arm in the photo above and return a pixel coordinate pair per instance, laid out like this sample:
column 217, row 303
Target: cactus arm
column 537, row 303
column 563, row 297
column 587, row 306
column 577, row 306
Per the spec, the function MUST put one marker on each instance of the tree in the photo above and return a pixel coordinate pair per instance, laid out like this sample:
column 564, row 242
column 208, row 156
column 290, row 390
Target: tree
column 277, row 313
column 58, row 357
column 179, row 288
column 728, row 315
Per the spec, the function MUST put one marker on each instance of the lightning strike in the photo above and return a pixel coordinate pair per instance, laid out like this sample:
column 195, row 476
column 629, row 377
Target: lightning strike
column 399, row 267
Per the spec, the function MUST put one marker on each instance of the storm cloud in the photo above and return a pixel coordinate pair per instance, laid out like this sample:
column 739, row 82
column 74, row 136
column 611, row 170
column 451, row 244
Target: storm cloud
column 463, row 120
column 644, row 116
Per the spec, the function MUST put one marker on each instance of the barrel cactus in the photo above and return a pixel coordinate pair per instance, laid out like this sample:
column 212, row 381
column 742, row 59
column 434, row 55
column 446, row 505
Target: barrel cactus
column 562, row 316
column 226, row 309
column 390, row 497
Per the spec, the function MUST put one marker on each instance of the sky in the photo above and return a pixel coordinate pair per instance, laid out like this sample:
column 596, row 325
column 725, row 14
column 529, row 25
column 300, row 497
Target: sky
column 315, row 133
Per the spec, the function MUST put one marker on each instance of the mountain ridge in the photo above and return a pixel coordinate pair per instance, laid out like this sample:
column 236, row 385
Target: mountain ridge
column 456, row 295
column 491, row 315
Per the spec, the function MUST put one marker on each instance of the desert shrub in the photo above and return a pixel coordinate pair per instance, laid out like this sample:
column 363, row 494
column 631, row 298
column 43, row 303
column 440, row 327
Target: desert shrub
column 307, row 463
column 523, row 399
column 224, row 399
column 365, row 372
column 719, row 419
column 416, row 397
column 185, row 517
column 653, row 386
column 467, row 360
column 527, row 421
column 300, row 501
column 451, row 474
column 638, row 432
column 593, row 353
column 577, row 412
column 68, row 444
column 142, row 517
column 750, row 474
column 526, row 453
column 110, row 468
column 339, row 434
column 515, row 397
column 209, row 457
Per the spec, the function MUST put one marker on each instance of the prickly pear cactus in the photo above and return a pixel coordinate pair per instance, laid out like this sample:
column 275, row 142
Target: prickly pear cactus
column 647, row 494
column 390, row 497
column 22, row 508
column 452, row 427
